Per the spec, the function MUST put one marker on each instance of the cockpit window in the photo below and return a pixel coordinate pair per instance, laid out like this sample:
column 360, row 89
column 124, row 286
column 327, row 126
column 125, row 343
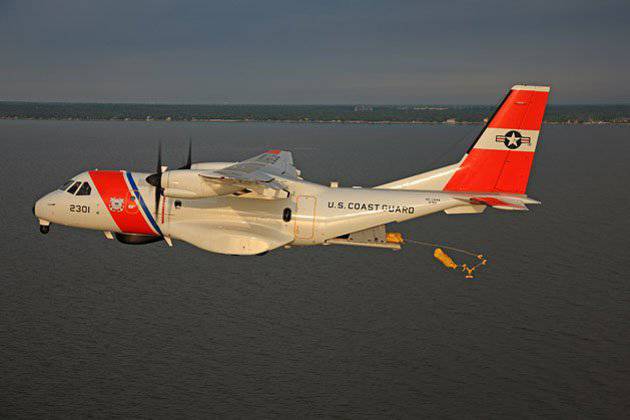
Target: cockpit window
column 66, row 184
column 74, row 187
column 85, row 189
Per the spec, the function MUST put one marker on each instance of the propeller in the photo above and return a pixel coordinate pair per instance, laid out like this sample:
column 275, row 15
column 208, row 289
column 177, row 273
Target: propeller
column 156, row 180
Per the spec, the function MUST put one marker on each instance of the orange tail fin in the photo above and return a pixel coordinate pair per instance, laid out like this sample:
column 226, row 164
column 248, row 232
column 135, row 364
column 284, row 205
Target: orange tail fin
column 501, row 158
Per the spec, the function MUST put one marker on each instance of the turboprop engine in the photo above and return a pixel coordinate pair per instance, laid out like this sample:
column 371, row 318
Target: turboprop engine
column 188, row 183
column 185, row 182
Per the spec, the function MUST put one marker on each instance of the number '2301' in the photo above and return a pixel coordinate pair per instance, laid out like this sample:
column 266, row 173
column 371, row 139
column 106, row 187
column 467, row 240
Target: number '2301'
column 77, row 208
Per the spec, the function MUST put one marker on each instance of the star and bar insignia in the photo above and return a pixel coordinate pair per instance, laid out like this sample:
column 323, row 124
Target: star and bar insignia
column 513, row 139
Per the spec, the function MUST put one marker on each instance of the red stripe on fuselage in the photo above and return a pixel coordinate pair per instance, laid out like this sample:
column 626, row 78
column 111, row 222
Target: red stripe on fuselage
column 522, row 110
column 493, row 171
column 117, row 197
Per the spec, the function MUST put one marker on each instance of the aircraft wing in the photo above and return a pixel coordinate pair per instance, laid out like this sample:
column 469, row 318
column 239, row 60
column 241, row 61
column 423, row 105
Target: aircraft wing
column 232, row 237
column 258, row 173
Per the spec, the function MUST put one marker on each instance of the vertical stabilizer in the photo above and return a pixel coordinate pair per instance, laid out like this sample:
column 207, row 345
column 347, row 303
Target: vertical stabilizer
column 501, row 158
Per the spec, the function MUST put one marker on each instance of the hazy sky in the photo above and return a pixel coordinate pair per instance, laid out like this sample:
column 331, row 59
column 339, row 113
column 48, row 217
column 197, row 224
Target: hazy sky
column 314, row 51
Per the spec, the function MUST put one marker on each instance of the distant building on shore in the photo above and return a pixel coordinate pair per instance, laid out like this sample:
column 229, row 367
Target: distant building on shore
column 363, row 108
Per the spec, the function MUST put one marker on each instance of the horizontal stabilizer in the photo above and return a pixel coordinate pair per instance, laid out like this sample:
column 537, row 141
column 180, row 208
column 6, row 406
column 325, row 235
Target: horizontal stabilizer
column 498, row 201
column 466, row 209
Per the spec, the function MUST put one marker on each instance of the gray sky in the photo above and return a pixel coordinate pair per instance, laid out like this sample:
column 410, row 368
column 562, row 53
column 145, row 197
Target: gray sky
column 316, row 51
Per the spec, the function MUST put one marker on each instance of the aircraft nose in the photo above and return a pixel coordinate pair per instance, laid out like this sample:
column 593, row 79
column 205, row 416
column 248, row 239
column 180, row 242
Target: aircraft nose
column 44, row 210
column 39, row 207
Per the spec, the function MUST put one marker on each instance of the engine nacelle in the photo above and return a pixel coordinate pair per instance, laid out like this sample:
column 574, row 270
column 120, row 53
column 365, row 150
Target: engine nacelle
column 131, row 239
column 189, row 184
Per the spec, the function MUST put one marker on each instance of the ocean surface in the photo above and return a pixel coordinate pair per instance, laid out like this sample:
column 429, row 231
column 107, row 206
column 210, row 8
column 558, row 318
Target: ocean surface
column 90, row 327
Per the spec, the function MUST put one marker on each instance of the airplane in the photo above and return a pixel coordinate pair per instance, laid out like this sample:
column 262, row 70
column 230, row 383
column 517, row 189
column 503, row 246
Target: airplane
column 263, row 203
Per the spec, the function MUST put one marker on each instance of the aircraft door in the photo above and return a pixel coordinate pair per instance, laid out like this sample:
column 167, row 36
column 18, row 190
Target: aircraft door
column 305, row 217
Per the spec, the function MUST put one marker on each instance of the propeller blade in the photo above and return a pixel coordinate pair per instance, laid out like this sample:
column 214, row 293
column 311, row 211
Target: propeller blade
column 158, row 188
column 188, row 164
column 156, row 181
column 159, row 161
column 158, row 193
column 156, row 178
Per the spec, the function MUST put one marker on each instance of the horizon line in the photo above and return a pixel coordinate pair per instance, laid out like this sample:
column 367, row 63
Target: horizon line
column 282, row 104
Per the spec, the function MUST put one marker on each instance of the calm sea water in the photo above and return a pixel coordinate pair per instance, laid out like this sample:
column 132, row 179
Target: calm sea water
column 94, row 327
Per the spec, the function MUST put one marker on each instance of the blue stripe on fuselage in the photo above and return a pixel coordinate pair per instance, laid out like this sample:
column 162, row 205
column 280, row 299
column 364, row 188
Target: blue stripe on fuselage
column 147, row 213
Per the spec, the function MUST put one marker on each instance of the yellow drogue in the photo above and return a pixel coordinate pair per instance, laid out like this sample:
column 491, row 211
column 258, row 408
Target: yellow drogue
column 444, row 259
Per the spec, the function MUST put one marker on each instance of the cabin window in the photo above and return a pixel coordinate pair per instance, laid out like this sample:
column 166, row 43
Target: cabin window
column 74, row 187
column 286, row 215
column 66, row 184
column 85, row 189
column 178, row 204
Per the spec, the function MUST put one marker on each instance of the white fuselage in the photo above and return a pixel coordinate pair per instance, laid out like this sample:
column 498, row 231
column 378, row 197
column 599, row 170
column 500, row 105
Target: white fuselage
column 316, row 213
column 262, row 203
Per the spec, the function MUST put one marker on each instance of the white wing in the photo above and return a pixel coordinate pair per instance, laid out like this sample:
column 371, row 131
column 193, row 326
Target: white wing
column 258, row 174
column 264, row 166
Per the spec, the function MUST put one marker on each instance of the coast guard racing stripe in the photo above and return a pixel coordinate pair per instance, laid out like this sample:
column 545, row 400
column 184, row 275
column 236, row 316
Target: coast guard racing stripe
column 121, row 200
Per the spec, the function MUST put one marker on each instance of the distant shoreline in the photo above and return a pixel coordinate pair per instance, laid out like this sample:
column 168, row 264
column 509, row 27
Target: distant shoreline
column 318, row 114
column 357, row 122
